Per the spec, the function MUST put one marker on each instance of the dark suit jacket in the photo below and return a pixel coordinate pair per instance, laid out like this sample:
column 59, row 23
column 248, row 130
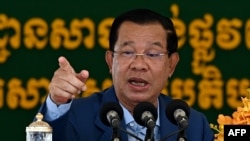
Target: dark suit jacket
column 82, row 122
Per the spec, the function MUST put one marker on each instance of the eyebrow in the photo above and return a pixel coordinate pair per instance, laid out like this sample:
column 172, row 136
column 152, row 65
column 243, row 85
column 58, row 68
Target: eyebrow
column 127, row 43
column 157, row 44
column 130, row 43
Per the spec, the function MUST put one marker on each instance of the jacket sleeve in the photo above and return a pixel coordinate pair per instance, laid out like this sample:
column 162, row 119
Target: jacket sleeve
column 208, row 132
column 58, row 125
column 198, row 128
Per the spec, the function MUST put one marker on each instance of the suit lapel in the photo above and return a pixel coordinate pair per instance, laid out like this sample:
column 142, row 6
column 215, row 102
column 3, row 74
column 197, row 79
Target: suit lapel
column 166, row 127
column 109, row 96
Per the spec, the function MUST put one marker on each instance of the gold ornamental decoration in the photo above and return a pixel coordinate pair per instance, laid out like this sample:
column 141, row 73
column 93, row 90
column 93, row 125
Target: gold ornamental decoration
column 240, row 117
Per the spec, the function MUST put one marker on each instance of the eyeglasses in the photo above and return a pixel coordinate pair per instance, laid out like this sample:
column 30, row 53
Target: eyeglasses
column 151, row 56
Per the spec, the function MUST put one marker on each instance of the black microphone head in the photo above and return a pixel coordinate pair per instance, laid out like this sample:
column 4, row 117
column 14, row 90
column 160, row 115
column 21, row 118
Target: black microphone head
column 107, row 107
column 141, row 108
column 174, row 105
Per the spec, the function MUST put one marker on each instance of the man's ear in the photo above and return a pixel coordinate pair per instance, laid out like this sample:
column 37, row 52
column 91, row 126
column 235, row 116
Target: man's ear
column 173, row 61
column 109, row 59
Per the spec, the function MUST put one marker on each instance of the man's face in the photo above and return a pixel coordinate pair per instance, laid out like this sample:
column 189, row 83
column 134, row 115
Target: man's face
column 139, row 78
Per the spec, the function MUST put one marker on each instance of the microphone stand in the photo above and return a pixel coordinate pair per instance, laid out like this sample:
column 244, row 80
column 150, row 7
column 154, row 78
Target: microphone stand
column 149, row 135
column 115, row 135
column 182, row 135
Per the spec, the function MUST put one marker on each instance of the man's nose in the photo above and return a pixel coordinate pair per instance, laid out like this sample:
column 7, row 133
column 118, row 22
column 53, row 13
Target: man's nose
column 139, row 62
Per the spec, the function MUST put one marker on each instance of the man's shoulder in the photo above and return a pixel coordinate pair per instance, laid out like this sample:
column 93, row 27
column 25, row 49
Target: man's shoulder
column 96, row 98
column 193, row 112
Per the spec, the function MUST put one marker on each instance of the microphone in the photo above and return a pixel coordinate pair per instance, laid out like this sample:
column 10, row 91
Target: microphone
column 178, row 112
column 111, row 114
column 145, row 114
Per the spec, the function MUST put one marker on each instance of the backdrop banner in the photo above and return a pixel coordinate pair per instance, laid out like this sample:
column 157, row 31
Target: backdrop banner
column 214, row 47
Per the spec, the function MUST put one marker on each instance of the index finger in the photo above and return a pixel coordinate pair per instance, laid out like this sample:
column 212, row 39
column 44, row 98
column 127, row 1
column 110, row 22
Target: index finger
column 65, row 65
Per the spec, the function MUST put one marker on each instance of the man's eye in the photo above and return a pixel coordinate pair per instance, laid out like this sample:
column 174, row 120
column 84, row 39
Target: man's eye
column 127, row 53
column 152, row 54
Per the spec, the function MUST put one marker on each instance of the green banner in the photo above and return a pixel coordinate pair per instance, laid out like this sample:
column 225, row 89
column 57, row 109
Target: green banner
column 214, row 46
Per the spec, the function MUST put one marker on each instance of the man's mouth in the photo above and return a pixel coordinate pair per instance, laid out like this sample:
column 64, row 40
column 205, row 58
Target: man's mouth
column 138, row 82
